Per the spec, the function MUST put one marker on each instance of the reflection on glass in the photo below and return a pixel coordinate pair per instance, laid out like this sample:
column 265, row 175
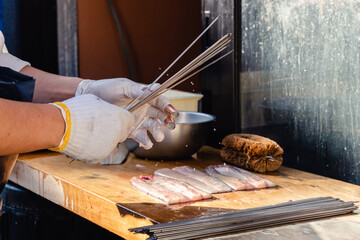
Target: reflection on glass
column 300, row 81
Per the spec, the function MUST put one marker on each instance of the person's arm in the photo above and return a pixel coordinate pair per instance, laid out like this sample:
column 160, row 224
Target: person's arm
column 51, row 87
column 85, row 127
column 26, row 127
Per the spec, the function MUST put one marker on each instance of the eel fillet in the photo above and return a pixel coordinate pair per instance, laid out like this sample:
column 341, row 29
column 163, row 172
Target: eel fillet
column 204, row 178
column 251, row 183
column 166, row 172
column 254, row 177
column 234, row 183
column 168, row 190
column 228, row 174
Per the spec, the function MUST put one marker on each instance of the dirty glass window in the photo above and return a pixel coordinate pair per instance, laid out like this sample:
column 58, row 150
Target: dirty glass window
column 300, row 81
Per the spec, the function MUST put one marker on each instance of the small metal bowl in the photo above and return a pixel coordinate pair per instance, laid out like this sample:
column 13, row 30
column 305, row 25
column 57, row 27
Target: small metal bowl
column 192, row 129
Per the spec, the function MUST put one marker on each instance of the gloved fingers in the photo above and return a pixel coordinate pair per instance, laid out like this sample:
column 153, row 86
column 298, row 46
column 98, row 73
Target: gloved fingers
column 148, row 111
column 140, row 135
column 156, row 113
column 155, row 128
column 111, row 90
column 117, row 156
column 84, row 87
column 135, row 89
column 139, row 115
column 160, row 102
column 126, row 80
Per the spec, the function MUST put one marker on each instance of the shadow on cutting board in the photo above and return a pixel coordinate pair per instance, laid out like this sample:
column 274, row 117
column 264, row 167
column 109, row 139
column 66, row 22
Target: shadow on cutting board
column 161, row 213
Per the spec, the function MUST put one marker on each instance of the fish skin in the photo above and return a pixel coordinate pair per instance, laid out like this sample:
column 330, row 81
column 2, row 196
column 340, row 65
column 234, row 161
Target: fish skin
column 185, row 189
column 232, row 182
column 217, row 184
column 251, row 181
column 147, row 186
column 267, row 182
column 168, row 190
column 231, row 171
column 173, row 190
column 166, row 172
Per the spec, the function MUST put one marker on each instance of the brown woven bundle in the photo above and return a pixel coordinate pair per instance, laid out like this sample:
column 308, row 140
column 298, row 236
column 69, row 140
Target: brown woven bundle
column 252, row 152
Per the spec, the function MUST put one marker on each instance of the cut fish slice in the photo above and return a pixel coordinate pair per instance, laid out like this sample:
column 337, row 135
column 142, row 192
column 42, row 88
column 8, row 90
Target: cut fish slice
column 168, row 190
column 185, row 189
column 232, row 182
column 204, row 178
column 255, row 181
column 254, row 177
column 149, row 186
column 165, row 172
column 230, row 171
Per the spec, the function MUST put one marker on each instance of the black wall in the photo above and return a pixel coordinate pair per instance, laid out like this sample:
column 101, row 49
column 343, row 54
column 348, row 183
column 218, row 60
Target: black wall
column 30, row 29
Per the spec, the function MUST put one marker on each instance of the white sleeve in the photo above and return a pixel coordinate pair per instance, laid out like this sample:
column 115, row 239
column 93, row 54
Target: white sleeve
column 8, row 60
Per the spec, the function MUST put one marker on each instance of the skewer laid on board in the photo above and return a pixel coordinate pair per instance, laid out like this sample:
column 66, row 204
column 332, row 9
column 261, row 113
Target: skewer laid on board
column 248, row 219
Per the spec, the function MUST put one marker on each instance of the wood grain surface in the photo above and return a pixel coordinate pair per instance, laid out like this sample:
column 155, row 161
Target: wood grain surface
column 104, row 195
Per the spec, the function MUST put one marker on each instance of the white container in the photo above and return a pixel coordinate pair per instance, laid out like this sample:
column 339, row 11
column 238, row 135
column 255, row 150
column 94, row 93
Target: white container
column 183, row 101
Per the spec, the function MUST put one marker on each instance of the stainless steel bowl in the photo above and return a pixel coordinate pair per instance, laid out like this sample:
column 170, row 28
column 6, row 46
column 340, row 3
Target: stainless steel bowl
column 192, row 129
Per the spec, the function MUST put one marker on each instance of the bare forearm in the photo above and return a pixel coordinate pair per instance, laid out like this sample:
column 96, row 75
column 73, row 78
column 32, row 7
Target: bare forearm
column 26, row 127
column 51, row 87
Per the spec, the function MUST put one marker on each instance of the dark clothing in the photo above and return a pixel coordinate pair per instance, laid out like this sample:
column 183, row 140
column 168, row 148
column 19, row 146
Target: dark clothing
column 6, row 165
column 19, row 87
column 16, row 86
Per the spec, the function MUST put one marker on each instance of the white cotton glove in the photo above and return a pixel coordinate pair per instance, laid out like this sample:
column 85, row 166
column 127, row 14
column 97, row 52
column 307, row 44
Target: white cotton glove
column 139, row 133
column 93, row 128
column 147, row 119
column 117, row 156
column 121, row 91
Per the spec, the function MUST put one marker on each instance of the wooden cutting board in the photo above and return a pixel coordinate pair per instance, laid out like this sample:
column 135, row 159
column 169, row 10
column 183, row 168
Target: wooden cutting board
column 104, row 195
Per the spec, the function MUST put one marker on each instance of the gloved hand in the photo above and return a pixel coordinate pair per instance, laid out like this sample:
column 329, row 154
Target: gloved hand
column 139, row 134
column 117, row 156
column 93, row 128
column 118, row 91
column 121, row 91
column 147, row 119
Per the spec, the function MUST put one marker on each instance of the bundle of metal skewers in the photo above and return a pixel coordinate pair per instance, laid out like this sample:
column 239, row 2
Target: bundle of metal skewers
column 192, row 68
column 248, row 219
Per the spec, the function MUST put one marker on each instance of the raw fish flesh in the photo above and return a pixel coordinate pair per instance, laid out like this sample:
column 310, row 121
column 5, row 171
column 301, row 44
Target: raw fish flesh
column 186, row 184
column 165, row 172
column 232, row 182
column 228, row 173
column 147, row 185
column 204, row 178
column 254, row 177
column 192, row 193
column 168, row 190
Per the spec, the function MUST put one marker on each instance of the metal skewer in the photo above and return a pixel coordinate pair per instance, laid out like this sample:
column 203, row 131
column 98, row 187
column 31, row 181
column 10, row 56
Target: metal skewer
column 220, row 215
column 253, row 215
column 199, row 61
column 216, row 48
column 165, row 88
column 191, row 75
column 256, row 224
column 141, row 96
column 241, row 220
column 258, row 216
